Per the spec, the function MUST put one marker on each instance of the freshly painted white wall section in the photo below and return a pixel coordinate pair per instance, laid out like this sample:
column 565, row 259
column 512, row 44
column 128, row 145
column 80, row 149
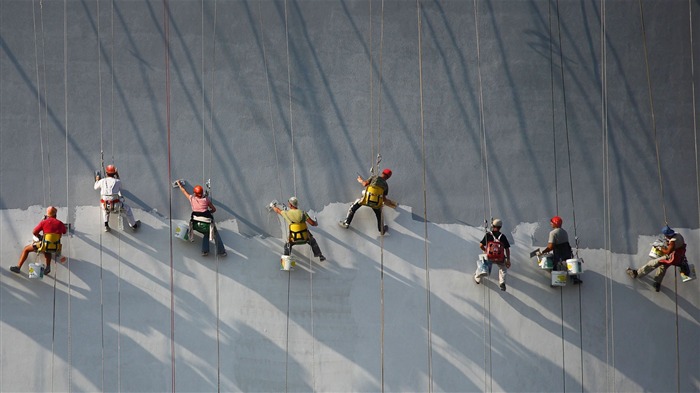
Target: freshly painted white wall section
column 271, row 99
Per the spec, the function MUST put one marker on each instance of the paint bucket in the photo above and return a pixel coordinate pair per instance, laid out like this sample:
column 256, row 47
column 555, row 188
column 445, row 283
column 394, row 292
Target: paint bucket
column 182, row 231
column 287, row 262
column 36, row 270
column 483, row 266
column 574, row 266
column 559, row 278
column 693, row 274
column 547, row 262
column 655, row 252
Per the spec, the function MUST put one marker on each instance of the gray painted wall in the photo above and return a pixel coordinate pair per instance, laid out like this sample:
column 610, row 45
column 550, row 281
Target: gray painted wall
column 81, row 77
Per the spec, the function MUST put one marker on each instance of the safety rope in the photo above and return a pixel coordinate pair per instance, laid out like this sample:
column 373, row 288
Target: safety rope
column 607, row 227
column 371, row 88
column 1, row 193
column 381, row 84
column 551, row 81
column 269, row 101
column 425, row 196
column 46, row 181
column 658, row 167
column 206, row 175
column 289, row 93
column 571, row 182
column 99, row 89
column 651, row 110
column 212, row 101
column 46, row 99
column 166, row 39
column 38, row 101
column 556, row 177
column 67, row 128
column 375, row 168
column 119, row 258
column 486, row 194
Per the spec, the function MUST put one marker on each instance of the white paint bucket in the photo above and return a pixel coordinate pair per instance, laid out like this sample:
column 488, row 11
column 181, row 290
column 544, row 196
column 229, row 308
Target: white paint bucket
column 287, row 262
column 574, row 266
column 182, row 231
column 559, row 278
column 655, row 252
column 547, row 262
column 483, row 266
column 36, row 270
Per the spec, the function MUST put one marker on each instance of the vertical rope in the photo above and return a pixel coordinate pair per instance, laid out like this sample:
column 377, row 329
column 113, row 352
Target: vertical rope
column 607, row 228
column 53, row 324
column 38, row 101
column 425, row 196
column 119, row 261
column 556, row 180
column 166, row 43
column 486, row 194
column 289, row 91
column 2, row 363
column 651, row 110
column 208, row 176
column 486, row 184
column 375, row 170
column 203, row 87
column 46, row 99
column 571, row 180
column 269, row 101
column 381, row 84
column 551, row 79
column 211, row 99
column 99, row 89
column 66, row 127
column 371, row 88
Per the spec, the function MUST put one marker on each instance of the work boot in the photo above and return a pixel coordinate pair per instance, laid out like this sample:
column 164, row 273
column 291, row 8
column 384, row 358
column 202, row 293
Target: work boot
column 136, row 225
column 343, row 224
column 477, row 280
column 657, row 286
column 204, row 254
column 321, row 258
column 14, row 269
column 631, row 272
column 502, row 286
column 47, row 270
column 107, row 228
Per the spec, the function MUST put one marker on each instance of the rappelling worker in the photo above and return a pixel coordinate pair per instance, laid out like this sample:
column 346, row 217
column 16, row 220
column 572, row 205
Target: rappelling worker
column 49, row 243
column 111, row 197
column 558, row 243
column 497, row 248
column 374, row 196
column 202, row 218
column 673, row 254
column 298, row 231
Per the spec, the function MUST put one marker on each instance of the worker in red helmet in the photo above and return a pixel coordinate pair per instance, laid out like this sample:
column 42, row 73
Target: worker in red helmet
column 49, row 225
column 203, row 207
column 558, row 244
column 374, row 196
column 111, row 197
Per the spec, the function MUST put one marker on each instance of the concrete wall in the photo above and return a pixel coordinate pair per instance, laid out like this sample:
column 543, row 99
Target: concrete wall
column 270, row 99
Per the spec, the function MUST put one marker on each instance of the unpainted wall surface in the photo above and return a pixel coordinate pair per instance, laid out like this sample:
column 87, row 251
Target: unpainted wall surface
column 502, row 108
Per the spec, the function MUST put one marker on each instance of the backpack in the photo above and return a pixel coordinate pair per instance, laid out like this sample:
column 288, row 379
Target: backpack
column 374, row 197
column 494, row 249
